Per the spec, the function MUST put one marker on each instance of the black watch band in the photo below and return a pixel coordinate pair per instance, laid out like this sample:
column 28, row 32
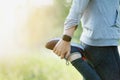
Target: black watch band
column 66, row 38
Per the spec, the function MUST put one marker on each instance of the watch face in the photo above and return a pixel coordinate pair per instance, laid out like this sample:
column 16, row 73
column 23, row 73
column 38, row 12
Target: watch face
column 66, row 38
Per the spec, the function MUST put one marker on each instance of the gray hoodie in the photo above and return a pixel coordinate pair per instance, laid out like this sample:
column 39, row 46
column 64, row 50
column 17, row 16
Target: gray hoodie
column 100, row 21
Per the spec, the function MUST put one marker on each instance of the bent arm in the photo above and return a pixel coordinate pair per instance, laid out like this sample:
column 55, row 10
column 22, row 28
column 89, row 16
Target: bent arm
column 75, row 13
column 62, row 48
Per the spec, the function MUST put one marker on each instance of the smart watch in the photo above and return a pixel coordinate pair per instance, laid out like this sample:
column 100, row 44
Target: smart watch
column 66, row 38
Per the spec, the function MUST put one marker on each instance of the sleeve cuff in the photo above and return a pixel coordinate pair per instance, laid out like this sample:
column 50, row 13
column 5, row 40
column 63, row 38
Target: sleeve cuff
column 70, row 23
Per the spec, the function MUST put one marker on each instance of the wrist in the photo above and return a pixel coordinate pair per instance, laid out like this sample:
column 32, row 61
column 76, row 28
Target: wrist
column 66, row 38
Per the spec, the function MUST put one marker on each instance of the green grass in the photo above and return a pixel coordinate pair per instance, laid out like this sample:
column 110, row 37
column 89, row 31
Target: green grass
column 36, row 67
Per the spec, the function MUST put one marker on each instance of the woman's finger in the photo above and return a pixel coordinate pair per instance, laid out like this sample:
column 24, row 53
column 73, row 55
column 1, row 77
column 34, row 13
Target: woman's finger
column 63, row 55
column 67, row 55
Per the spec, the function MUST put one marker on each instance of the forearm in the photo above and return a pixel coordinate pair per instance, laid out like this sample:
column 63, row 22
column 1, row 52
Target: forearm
column 70, row 31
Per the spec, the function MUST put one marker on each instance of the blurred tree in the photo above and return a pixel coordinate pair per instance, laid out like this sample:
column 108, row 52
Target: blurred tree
column 62, row 7
column 48, row 21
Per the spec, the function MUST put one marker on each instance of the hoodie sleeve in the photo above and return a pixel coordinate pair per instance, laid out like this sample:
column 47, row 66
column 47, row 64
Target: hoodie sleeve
column 75, row 13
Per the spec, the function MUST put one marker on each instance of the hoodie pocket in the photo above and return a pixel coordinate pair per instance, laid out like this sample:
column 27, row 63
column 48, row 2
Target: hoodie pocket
column 117, row 23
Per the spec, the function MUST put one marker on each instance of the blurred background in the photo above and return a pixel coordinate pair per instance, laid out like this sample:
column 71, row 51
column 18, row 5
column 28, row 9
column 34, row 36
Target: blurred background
column 25, row 27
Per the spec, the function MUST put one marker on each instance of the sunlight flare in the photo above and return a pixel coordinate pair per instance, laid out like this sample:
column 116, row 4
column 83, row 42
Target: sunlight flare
column 41, row 3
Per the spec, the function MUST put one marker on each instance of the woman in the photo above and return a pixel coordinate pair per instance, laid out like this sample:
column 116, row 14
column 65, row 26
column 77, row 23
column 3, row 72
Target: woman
column 101, row 33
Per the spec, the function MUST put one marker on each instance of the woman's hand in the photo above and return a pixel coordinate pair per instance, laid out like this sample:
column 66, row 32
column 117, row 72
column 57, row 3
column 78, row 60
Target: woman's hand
column 62, row 49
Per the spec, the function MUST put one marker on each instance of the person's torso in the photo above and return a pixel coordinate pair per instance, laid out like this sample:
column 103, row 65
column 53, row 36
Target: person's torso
column 100, row 21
